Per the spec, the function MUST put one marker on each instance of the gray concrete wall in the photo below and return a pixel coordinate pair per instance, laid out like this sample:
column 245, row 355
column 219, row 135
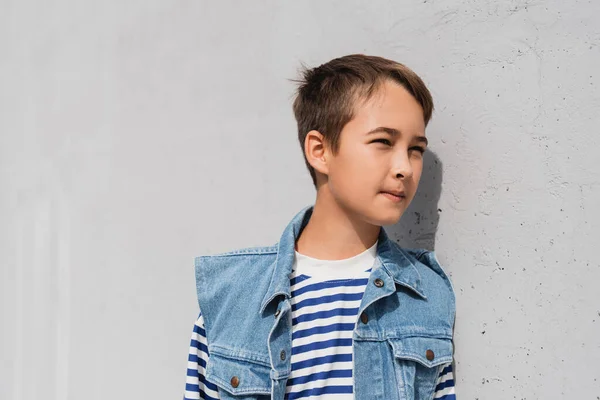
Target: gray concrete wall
column 136, row 135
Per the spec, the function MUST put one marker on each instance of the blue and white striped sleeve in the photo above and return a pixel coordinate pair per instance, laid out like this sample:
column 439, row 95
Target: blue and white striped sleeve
column 444, row 389
column 196, row 387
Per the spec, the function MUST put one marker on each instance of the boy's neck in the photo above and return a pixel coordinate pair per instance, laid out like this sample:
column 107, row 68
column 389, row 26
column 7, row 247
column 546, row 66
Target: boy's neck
column 333, row 234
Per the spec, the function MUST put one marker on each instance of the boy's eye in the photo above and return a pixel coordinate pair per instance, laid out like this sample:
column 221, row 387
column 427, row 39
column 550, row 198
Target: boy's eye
column 385, row 141
column 418, row 148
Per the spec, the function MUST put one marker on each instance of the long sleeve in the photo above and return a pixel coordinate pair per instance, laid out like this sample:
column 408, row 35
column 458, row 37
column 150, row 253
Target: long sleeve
column 444, row 389
column 196, row 387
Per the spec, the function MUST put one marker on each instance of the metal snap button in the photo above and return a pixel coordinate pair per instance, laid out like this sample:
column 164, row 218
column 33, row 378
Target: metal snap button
column 235, row 381
column 364, row 318
column 282, row 355
column 429, row 354
column 378, row 282
column 277, row 313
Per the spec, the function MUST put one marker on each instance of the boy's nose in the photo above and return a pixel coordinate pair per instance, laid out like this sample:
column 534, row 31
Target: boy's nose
column 403, row 169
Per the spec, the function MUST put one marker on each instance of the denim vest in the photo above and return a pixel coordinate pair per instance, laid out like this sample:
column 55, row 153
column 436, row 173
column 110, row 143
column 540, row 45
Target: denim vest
column 244, row 296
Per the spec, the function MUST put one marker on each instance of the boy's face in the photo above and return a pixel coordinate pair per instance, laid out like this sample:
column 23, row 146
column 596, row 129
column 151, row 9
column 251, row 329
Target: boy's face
column 370, row 165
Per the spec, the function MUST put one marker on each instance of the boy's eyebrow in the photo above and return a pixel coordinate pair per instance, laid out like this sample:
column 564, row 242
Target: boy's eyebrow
column 396, row 132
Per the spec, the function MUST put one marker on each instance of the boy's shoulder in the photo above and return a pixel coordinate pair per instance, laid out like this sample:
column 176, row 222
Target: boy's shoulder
column 241, row 265
column 427, row 264
column 244, row 251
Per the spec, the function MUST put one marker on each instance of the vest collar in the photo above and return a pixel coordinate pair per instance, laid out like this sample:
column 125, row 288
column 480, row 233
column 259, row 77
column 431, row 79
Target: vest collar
column 394, row 260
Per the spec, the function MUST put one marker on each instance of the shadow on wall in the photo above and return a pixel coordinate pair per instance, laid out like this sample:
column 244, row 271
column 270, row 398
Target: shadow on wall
column 418, row 226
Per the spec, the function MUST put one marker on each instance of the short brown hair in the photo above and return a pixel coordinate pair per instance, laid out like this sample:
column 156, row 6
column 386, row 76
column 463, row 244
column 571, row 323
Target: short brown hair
column 327, row 95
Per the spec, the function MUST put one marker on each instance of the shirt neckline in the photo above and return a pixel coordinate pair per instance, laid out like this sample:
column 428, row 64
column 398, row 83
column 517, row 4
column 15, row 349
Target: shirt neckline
column 350, row 267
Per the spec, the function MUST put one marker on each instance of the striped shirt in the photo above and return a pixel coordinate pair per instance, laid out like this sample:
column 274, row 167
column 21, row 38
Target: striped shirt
column 326, row 295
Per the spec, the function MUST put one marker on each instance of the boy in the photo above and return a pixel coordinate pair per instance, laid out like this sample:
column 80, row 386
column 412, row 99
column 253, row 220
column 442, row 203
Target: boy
column 335, row 309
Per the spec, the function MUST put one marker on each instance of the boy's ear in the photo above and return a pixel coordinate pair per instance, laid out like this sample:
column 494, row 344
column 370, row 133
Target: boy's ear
column 316, row 151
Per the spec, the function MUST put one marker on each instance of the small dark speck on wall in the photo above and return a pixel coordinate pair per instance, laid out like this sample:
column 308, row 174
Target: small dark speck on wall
column 418, row 214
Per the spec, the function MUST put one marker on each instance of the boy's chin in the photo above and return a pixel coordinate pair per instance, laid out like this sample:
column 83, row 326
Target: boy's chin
column 388, row 215
column 391, row 220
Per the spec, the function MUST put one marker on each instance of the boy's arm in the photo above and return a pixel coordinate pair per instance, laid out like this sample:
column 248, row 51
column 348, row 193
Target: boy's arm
column 444, row 389
column 196, row 386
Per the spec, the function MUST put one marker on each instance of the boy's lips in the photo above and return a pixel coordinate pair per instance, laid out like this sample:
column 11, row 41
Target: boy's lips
column 397, row 193
column 395, row 196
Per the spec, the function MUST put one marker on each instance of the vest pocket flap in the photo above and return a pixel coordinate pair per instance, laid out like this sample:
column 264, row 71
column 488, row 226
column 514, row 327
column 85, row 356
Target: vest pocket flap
column 238, row 376
column 428, row 351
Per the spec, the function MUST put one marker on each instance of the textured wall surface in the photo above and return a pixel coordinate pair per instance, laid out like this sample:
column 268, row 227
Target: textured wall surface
column 136, row 135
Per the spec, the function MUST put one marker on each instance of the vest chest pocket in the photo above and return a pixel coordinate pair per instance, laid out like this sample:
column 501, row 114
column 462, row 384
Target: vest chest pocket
column 417, row 364
column 238, row 379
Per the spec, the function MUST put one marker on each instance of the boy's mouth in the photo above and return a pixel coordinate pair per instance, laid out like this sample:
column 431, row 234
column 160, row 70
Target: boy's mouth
column 395, row 195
